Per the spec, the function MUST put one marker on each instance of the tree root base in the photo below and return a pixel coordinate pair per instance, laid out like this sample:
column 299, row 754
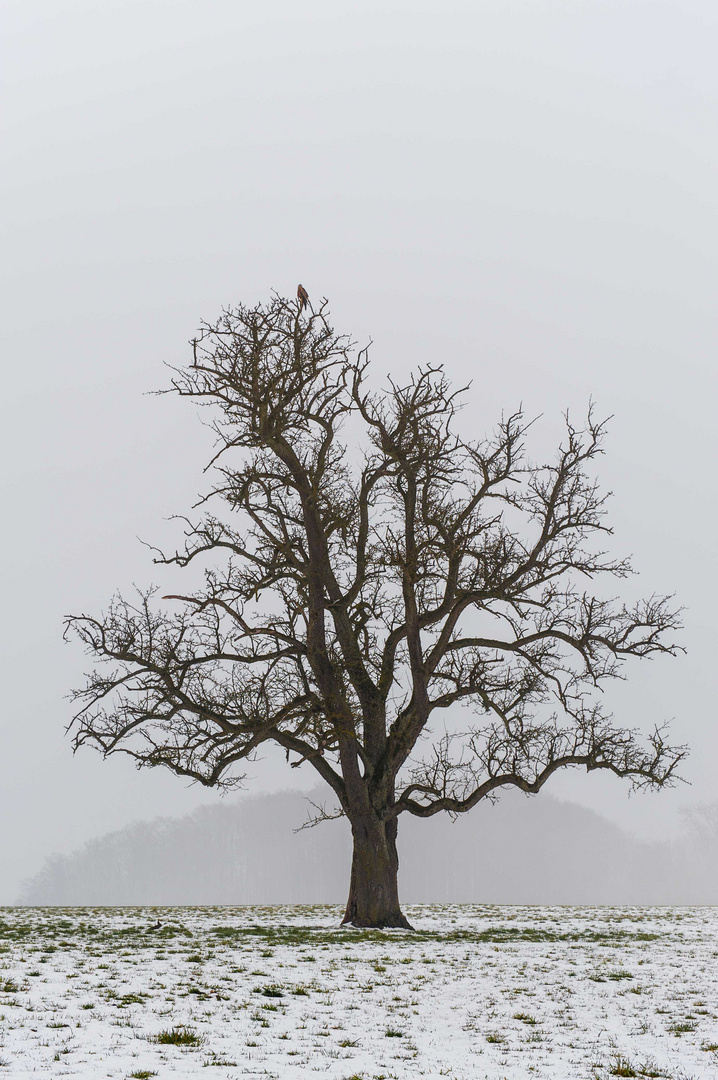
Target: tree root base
column 388, row 922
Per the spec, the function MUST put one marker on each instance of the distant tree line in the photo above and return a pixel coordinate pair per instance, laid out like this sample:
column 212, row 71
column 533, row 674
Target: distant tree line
column 560, row 853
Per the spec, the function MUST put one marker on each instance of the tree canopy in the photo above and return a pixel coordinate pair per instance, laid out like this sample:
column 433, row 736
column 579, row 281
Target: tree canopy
column 413, row 612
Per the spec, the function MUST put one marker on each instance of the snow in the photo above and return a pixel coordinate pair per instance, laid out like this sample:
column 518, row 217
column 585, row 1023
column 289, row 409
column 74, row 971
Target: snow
column 478, row 991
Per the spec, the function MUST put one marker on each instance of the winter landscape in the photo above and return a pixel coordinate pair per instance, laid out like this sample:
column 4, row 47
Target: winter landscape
column 476, row 991
column 360, row 500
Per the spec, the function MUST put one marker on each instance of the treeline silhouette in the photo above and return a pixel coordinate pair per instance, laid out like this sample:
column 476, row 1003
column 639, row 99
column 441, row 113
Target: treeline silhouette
column 518, row 851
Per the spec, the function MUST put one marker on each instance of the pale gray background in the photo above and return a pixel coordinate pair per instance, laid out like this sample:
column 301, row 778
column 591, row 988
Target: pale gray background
column 523, row 189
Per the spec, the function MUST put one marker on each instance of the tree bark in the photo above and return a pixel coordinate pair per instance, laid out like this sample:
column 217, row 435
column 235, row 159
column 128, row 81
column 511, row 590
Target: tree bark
column 374, row 890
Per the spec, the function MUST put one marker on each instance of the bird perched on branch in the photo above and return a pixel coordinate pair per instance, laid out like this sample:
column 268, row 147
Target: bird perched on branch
column 302, row 297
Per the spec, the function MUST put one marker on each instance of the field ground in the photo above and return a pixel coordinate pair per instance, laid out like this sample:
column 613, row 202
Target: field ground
column 477, row 991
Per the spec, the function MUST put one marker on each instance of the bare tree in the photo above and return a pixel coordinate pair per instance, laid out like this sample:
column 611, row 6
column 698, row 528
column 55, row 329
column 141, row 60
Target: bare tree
column 402, row 608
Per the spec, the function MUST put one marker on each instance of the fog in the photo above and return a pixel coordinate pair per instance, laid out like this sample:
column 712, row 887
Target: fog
column 254, row 851
column 523, row 191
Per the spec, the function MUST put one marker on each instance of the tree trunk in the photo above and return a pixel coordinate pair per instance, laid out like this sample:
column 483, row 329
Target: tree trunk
column 373, row 890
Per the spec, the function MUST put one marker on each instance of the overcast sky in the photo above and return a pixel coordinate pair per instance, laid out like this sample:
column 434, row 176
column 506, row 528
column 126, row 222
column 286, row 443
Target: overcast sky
column 524, row 190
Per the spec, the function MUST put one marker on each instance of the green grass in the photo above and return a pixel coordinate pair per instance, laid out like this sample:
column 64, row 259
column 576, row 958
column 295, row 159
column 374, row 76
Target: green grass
column 282, row 937
column 178, row 1036
column 525, row 1018
column 682, row 1029
column 649, row 1069
column 623, row 1066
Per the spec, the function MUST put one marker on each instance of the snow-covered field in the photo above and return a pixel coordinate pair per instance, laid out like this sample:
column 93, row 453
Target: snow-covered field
column 282, row 992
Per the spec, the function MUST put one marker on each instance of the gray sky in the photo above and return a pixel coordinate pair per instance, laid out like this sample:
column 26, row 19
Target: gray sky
column 525, row 190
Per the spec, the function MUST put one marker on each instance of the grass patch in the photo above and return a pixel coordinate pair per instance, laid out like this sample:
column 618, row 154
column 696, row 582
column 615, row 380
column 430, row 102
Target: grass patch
column 270, row 991
column 177, row 1036
column 682, row 1029
column 649, row 1069
column 621, row 1066
column 130, row 999
column 525, row 1018
column 302, row 936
